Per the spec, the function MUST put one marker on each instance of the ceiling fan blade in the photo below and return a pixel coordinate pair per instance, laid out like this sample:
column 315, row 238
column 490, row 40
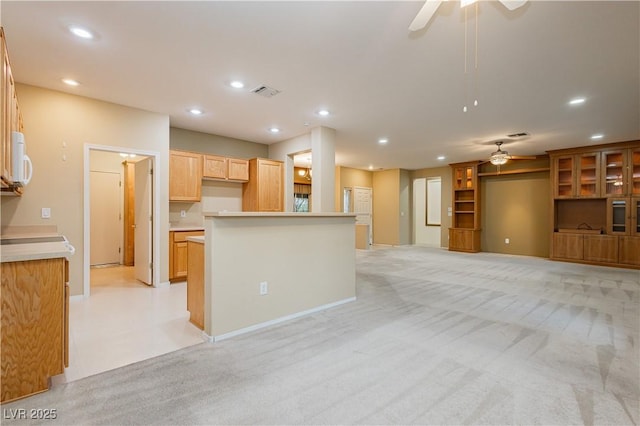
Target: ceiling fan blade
column 424, row 16
column 513, row 4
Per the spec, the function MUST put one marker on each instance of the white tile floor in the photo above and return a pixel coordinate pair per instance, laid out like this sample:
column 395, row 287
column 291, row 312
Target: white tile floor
column 124, row 321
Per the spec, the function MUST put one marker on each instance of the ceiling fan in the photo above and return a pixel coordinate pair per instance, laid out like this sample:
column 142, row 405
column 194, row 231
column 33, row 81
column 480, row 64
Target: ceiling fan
column 430, row 6
column 501, row 157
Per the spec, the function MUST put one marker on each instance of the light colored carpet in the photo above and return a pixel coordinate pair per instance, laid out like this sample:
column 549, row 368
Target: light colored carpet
column 434, row 338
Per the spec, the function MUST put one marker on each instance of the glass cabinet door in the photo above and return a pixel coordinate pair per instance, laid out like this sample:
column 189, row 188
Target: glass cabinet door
column 634, row 172
column 564, row 177
column 617, row 216
column 614, row 173
column 588, row 175
column 635, row 217
column 464, row 177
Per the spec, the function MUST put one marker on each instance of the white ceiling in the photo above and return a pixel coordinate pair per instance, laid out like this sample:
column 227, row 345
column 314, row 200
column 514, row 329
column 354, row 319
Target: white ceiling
column 358, row 60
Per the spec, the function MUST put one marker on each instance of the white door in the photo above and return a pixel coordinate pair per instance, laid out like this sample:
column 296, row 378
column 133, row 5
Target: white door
column 143, row 235
column 363, row 208
column 106, row 219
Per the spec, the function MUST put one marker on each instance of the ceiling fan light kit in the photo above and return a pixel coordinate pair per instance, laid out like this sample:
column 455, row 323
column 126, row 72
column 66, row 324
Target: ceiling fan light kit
column 499, row 157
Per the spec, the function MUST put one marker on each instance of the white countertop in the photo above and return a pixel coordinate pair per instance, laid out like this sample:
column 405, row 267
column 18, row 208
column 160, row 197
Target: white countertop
column 35, row 251
column 277, row 214
column 199, row 240
column 179, row 228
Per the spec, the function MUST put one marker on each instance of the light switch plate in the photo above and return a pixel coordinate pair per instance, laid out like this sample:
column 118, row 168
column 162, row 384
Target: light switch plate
column 46, row 213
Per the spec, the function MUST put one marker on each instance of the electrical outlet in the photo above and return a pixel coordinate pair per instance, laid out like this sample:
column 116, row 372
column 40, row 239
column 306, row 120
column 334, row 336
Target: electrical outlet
column 264, row 288
column 183, row 213
column 506, row 241
column 46, row 213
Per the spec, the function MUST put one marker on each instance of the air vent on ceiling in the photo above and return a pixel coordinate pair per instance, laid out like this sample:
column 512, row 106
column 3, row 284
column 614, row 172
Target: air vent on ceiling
column 518, row 135
column 265, row 91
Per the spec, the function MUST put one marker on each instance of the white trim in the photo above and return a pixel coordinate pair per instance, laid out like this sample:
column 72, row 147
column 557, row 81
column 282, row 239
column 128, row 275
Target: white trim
column 76, row 298
column 155, row 156
column 277, row 320
column 164, row 284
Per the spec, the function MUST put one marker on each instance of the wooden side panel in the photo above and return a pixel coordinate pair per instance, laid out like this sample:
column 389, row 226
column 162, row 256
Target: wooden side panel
column 601, row 248
column 238, row 169
column 629, row 250
column 129, row 213
column 568, row 246
column 32, row 301
column 214, row 167
column 250, row 188
column 195, row 283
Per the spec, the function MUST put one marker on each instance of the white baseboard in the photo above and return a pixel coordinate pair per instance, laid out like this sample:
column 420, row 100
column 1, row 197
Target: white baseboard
column 165, row 284
column 76, row 298
column 275, row 321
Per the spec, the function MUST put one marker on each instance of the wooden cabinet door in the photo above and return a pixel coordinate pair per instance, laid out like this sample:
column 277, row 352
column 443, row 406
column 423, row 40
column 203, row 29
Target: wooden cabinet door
column 563, row 177
column 180, row 259
column 629, row 250
column 237, row 169
column 464, row 177
column 614, row 173
column 185, row 176
column 601, row 248
column 618, row 216
column 568, row 246
column 270, row 186
column 214, row 167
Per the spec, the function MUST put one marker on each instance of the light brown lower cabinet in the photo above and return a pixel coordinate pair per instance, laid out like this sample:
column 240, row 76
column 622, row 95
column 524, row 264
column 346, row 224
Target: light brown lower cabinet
column 629, row 250
column 195, row 284
column 35, row 325
column 609, row 250
column 462, row 239
column 178, row 257
column 601, row 248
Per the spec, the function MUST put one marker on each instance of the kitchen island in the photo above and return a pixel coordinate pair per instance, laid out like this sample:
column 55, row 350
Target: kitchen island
column 264, row 268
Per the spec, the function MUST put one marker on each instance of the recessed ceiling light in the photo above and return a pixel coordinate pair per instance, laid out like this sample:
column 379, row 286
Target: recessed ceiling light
column 81, row 32
column 370, row 167
column 195, row 111
column 441, row 157
column 274, row 130
column 236, row 84
column 383, row 140
column 70, row 82
column 598, row 136
column 323, row 112
column 577, row 101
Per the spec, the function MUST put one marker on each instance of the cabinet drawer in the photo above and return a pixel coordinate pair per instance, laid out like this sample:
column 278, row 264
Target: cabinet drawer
column 183, row 235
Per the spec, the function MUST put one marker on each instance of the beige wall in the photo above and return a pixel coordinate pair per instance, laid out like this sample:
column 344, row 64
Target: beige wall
column 57, row 127
column 189, row 140
column 404, row 199
column 444, row 173
column 307, row 262
column 386, row 207
column 516, row 207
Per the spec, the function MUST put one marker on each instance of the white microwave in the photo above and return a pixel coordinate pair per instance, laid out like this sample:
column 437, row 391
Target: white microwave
column 22, row 167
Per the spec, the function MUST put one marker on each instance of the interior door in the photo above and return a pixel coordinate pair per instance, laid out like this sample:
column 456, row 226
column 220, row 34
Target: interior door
column 363, row 208
column 144, row 221
column 106, row 220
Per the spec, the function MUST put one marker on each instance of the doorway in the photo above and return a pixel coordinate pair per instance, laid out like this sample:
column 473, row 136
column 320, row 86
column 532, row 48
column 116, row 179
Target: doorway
column 363, row 208
column 146, row 241
column 427, row 206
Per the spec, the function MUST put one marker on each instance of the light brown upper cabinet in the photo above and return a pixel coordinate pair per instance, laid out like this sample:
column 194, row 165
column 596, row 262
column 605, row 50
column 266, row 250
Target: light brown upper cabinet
column 265, row 190
column 225, row 168
column 11, row 117
column 185, row 176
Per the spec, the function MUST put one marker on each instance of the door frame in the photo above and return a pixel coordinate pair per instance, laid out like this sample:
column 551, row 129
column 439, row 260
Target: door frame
column 153, row 156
